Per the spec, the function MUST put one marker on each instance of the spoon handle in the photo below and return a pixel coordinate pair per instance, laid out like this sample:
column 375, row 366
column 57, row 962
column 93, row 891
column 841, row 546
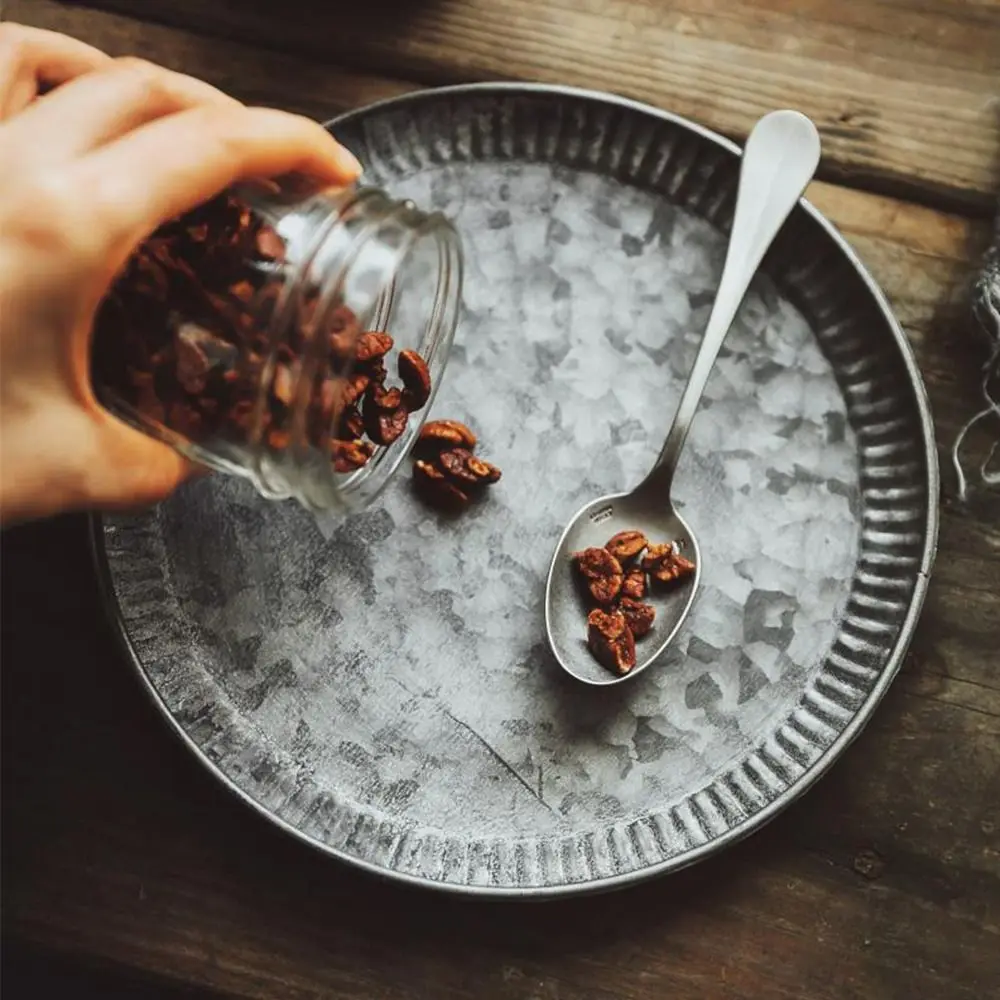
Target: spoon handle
column 779, row 160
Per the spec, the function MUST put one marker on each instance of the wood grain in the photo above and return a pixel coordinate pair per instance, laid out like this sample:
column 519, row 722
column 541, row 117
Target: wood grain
column 906, row 95
column 882, row 883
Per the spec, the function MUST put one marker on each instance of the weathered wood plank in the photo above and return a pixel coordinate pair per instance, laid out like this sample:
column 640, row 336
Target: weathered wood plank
column 905, row 96
column 254, row 75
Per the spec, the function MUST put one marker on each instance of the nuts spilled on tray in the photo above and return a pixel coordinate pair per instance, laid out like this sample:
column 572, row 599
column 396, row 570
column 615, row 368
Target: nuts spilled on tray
column 446, row 472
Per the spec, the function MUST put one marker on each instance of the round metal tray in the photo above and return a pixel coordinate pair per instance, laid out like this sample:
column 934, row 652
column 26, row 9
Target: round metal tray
column 381, row 687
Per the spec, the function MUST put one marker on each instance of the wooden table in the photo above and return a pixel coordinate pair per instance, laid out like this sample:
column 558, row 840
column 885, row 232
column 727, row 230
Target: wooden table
column 884, row 882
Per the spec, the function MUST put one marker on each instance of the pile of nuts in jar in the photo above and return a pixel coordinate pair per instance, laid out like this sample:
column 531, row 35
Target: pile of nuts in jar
column 616, row 579
column 210, row 374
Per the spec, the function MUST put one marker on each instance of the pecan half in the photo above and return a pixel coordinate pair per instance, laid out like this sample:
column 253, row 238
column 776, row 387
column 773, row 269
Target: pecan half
column 352, row 425
column 611, row 640
column 601, row 573
column 372, row 345
column 385, row 426
column 437, row 435
column 634, row 585
column 626, row 545
column 665, row 564
column 486, row 472
column 283, row 385
column 639, row 616
column 467, row 471
column 350, row 455
column 385, row 417
column 354, row 388
column 416, row 379
column 436, row 488
column 269, row 245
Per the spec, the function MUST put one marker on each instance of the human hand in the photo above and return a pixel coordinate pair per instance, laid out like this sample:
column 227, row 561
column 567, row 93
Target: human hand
column 95, row 153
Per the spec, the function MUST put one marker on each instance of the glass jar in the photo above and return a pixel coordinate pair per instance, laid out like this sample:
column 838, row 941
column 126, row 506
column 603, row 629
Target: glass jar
column 250, row 334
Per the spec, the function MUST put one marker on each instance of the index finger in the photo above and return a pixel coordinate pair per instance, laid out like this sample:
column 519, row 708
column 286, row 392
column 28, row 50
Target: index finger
column 31, row 58
column 165, row 168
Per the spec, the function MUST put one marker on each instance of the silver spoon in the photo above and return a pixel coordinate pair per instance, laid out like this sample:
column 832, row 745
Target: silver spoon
column 779, row 160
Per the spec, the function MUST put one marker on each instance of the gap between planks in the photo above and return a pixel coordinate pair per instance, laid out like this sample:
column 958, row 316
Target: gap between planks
column 912, row 113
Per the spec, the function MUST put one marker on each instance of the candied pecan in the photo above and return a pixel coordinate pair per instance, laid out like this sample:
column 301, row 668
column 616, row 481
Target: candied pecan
column 385, row 417
column 354, row 388
column 639, row 616
column 437, row 435
column 283, row 386
column 270, row 246
column 372, row 345
column 485, row 472
column 385, row 426
column 466, row 470
column 374, row 369
column 601, row 572
column 350, row 455
column 242, row 291
column 455, row 464
column 351, row 424
column 634, row 585
column 435, row 487
column 381, row 398
column 610, row 640
column 416, row 379
column 665, row 564
column 278, row 439
column 626, row 544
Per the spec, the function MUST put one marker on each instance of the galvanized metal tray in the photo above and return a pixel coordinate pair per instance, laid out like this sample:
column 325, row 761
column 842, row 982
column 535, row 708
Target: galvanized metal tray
column 381, row 687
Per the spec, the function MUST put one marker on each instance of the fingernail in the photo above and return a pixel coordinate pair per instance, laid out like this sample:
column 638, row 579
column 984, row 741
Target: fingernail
column 350, row 163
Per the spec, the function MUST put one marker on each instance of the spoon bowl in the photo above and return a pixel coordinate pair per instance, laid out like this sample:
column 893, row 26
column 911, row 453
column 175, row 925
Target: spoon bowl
column 566, row 604
column 780, row 158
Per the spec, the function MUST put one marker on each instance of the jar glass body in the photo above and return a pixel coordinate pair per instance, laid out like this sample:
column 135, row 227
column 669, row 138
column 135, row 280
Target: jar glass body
column 246, row 335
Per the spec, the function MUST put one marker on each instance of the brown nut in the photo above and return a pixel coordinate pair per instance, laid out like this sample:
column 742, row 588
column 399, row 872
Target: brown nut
column 373, row 345
column 283, row 385
column 416, row 379
column 440, row 434
column 639, row 616
column 634, row 585
column 601, row 573
column 351, row 425
column 386, row 426
column 485, row 472
column 665, row 564
column 385, row 417
column 381, row 398
column 465, row 470
column 270, row 246
column 433, row 486
column 278, row 439
column 350, row 455
column 626, row 545
column 611, row 640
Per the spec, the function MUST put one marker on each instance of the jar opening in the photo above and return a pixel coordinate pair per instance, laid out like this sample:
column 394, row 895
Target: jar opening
column 398, row 271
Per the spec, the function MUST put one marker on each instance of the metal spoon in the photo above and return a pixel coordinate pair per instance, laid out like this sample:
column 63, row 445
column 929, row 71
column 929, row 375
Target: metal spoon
column 779, row 160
